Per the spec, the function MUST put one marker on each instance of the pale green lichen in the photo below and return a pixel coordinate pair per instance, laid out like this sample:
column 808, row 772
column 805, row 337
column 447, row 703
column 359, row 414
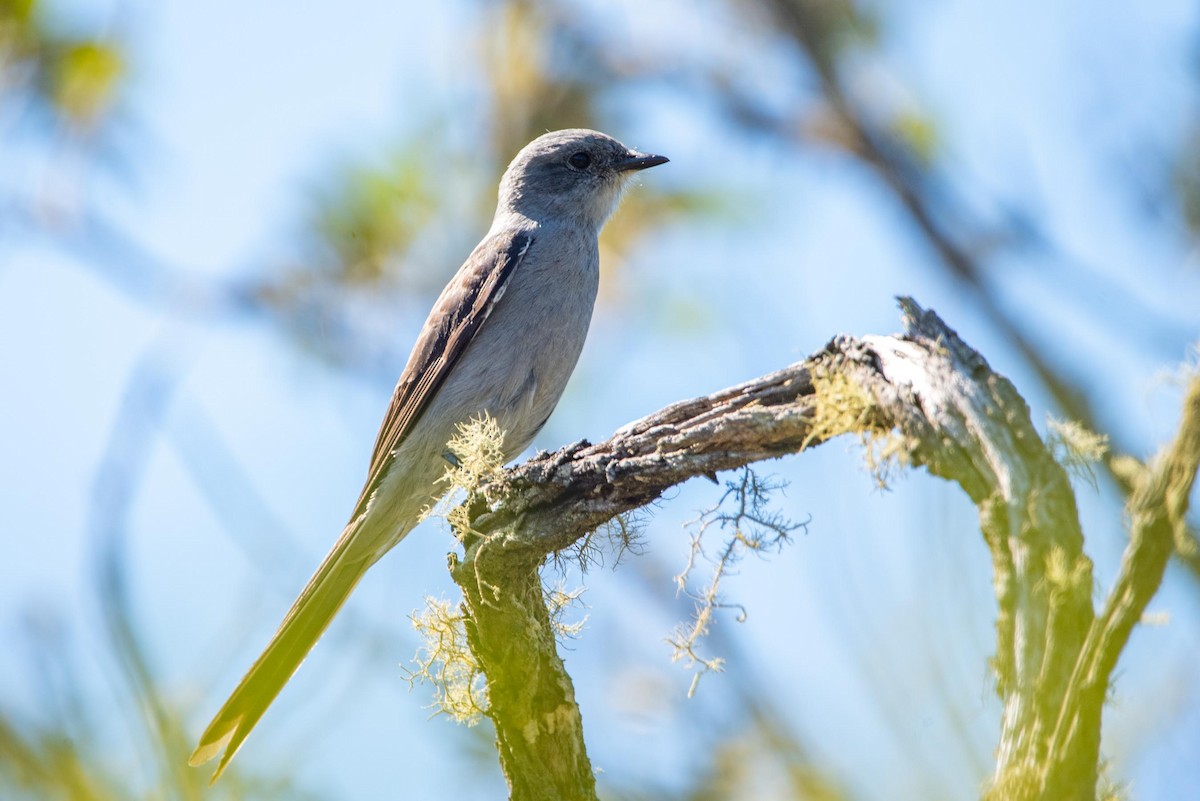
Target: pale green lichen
column 446, row 661
column 842, row 406
column 478, row 451
column 558, row 600
column 1017, row 783
column 1067, row 577
column 1075, row 447
column 750, row 526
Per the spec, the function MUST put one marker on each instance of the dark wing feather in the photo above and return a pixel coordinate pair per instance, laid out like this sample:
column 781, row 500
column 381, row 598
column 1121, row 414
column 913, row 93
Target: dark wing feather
column 461, row 309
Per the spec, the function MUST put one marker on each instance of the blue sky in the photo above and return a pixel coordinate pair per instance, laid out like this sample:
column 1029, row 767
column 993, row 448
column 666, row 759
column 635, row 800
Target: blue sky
column 235, row 110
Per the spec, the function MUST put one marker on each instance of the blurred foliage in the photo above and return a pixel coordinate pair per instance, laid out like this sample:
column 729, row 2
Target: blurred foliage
column 829, row 29
column 65, row 749
column 919, row 135
column 18, row 36
column 755, row 762
column 1187, row 182
column 76, row 80
column 534, row 84
column 368, row 219
column 371, row 223
column 83, row 80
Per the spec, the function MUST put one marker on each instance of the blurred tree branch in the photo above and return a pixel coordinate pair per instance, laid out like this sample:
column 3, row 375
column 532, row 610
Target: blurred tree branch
column 923, row 398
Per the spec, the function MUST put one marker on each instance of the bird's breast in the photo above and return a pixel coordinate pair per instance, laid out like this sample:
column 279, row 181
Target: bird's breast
column 520, row 360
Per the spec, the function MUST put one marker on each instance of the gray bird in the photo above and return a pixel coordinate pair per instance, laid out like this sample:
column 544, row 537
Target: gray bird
column 502, row 339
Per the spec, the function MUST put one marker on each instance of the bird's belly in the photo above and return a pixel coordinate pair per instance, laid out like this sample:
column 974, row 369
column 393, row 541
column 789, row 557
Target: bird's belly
column 518, row 385
column 516, row 368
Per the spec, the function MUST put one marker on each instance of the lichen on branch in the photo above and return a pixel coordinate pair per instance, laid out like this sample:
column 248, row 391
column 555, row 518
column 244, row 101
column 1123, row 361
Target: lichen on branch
column 922, row 398
column 744, row 523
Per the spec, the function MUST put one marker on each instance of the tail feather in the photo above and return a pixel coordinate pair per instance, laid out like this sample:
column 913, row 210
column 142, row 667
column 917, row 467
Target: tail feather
column 304, row 624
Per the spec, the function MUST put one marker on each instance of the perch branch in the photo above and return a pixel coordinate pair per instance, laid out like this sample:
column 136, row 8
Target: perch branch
column 929, row 400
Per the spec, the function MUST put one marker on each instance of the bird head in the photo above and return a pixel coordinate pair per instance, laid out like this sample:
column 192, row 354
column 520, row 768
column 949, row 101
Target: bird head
column 574, row 174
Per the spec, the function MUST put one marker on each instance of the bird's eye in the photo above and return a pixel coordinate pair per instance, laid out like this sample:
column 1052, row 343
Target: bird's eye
column 580, row 160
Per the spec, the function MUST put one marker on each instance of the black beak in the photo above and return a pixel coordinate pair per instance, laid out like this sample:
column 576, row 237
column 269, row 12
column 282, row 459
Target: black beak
column 639, row 161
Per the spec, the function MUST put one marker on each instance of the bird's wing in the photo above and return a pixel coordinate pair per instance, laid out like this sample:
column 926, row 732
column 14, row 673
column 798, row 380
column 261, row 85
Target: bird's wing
column 460, row 311
column 457, row 316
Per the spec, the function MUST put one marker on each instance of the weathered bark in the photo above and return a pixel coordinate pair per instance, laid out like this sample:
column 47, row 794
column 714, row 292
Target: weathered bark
column 934, row 402
column 539, row 732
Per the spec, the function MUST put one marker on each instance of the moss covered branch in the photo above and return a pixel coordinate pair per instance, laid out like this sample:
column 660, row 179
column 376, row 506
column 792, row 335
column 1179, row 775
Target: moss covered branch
column 920, row 398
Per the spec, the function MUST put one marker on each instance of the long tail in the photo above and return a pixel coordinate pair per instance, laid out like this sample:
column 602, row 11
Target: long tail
column 308, row 618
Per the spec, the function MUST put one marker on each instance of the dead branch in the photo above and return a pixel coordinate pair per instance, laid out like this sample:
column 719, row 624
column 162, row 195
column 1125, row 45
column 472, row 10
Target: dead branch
column 923, row 397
